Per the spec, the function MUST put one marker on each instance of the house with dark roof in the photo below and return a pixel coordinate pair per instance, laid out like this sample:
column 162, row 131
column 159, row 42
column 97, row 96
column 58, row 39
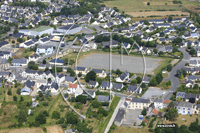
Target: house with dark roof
column 29, row 43
column 3, row 43
column 103, row 98
column 134, row 89
column 70, row 79
column 33, row 57
column 158, row 103
column 20, row 62
column 56, row 62
column 146, row 80
column 180, row 94
column 117, row 86
column 123, row 77
column 93, row 84
column 100, row 73
column 27, row 87
column 184, row 108
column 106, row 85
column 44, row 40
column 82, row 70
column 18, row 35
column 139, row 103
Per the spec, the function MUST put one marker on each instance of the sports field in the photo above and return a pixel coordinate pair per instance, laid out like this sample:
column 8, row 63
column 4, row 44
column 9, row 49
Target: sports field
column 138, row 6
column 41, row 28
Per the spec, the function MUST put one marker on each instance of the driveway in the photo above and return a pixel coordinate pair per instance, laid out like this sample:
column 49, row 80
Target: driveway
column 175, row 83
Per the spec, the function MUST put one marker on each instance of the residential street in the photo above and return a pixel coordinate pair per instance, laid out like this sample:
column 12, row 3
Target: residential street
column 175, row 83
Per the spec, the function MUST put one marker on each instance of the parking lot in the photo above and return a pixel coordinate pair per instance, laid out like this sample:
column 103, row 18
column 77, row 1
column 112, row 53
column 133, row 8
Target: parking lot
column 153, row 92
column 132, row 116
column 129, row 63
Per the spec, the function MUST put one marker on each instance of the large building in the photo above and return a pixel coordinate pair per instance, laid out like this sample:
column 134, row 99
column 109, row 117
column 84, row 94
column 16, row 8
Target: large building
column 69, row 29
column 38, row 31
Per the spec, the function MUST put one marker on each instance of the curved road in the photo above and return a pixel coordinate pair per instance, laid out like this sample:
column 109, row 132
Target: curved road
column 175, row 83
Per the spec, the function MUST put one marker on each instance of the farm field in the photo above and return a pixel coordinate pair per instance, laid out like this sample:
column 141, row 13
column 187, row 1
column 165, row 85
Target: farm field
column 140, row 7
column 129, row 63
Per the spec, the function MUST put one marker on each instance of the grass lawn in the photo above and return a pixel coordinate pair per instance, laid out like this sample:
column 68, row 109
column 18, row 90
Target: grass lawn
column 23, row 53
column 41, row 28
column 163, row 65
column 187, row 121
column 130, row 130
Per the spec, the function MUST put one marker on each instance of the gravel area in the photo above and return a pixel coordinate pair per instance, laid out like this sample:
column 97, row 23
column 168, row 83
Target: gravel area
column 129, row 63
column 153, row 92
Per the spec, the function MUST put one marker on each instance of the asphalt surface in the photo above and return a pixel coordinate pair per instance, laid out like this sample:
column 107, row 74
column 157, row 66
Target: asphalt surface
column 175, row 83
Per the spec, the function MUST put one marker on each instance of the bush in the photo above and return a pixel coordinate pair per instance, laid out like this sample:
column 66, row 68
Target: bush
column 55, row 115
column 45, row 104
column 9, row 92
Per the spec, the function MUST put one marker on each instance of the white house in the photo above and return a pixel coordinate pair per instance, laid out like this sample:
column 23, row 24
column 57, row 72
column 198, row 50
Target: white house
column 158, row 103
column 44, row 49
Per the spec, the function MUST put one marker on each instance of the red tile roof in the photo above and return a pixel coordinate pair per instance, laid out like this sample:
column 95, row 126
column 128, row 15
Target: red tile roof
column 72, row 86
column 155, row 111
column 166, row 101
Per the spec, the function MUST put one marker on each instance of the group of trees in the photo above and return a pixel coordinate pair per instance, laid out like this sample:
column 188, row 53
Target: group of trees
column 4, row 29
column 181, row 73
column 71, row 71
column 172, row 112
column 90, row 76
column 156, row 79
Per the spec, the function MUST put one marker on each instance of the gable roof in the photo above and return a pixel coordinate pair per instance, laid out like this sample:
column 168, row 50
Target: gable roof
column 72, row 86
column 140, row 100
column 124, row 75
column 102, row 98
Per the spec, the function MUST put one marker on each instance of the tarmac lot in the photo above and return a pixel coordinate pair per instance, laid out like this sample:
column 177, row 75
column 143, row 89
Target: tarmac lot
column 132, row 116
column 153, row 92
column 129, row 63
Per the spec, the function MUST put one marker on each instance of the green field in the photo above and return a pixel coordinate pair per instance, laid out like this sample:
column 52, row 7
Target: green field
column 42, row 28
column 131, row 6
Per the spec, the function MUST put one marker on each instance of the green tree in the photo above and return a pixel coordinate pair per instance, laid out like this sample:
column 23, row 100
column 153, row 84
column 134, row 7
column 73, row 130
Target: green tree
column 143, row 85
column 134, row 82
column 170, row 18
column 139, row 80
column 79, row 74
column 160, row 53
column 37, row 37
column 65, row 62
column 22, row 116
column 55, row 114
column 118, row 72
column 14, row 98
column 9, row 92
column 155, row 50
column 21, row 98
column 192, row 52
column 148, row 3
column 169, row 67
column 153, row 81
column 16, row 30
column 90, row 76
column 41, row 118
column 144, row 112
column 196, row 87
column 18, row 91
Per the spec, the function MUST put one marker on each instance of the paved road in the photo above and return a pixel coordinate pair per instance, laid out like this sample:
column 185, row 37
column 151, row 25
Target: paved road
column 175, row 83
column 97, row 27
column 114, row 115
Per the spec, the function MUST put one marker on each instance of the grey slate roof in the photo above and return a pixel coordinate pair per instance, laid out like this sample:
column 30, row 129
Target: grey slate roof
column 102, row 98
column 117, row 86
column 140, row 100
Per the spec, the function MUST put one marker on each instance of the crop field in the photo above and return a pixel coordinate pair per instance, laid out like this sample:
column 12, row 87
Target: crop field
column 140, row 7
column 130, row 63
